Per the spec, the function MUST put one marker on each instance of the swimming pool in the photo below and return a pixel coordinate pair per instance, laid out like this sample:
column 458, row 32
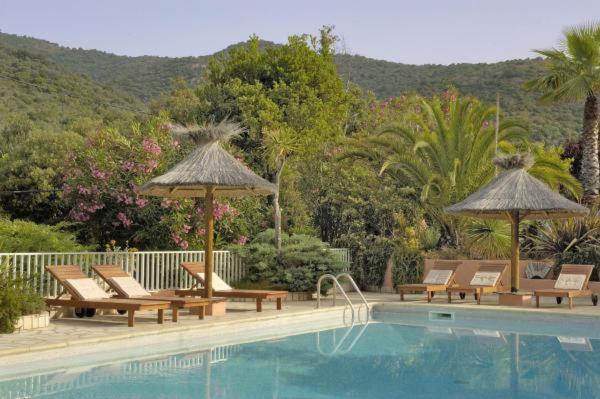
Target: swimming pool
column 409, row 355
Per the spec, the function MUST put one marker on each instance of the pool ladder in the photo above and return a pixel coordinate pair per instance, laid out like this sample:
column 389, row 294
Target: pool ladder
column 336, row 286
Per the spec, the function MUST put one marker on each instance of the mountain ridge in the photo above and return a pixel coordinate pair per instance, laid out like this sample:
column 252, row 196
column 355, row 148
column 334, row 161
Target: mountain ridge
column 148, row 77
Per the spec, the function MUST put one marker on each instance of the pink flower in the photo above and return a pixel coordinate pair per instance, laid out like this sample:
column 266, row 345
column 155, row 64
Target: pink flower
column 124, row 219
column 201, row 232
column 127, row 166
column 242, row 240
column 152, row 164
column 141, row 202
column 186, row 228
column 151, row 147
column 184, row 244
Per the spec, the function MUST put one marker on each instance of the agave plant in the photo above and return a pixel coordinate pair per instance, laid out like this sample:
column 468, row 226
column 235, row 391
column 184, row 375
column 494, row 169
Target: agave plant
column 567, row 240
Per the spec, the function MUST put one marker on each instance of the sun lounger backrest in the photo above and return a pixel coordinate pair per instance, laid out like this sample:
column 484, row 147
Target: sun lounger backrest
column 574, row 277
column 193, row 268
column 69, row 272
column 120, row 281
column 196, row 270
column 441, row 272
column 61, row 273
column 489, row 274
column 84, row 289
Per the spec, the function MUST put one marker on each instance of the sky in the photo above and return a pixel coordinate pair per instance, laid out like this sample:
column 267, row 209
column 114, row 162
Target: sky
column 412, row 32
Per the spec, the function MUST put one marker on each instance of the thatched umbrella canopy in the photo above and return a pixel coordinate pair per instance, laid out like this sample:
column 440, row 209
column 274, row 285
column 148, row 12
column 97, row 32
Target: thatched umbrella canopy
column 515, row 195
column 208, row 172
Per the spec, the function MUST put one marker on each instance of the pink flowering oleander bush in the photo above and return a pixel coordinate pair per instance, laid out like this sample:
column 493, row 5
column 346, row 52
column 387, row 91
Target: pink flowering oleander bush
column 102, row 184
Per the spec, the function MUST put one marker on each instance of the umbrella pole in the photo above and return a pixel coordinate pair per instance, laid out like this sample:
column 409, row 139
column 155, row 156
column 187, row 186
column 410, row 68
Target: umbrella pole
column 208, row 247
column 514, row 262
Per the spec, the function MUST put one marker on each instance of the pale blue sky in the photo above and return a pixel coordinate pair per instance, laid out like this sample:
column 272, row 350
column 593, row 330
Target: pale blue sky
column 416, row 31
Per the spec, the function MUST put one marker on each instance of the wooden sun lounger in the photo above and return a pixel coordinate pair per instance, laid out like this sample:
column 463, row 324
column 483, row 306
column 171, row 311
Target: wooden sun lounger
column 559, row 293
column 107, row 272
column 479, row 290
column 430, row 289
column 62, row 273
column 193, row 268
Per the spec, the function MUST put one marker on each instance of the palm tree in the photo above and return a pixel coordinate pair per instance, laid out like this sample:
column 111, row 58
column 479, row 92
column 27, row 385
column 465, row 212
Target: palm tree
column 573, row 74
column 445, row 153
column 278, row 146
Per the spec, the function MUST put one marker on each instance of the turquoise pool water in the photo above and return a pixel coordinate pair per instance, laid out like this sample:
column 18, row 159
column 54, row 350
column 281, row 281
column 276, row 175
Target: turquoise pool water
column 379, row 360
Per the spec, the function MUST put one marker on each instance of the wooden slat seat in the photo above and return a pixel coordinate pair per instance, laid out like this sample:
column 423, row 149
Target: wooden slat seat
column 63, row 273
column 107, row 272
column 194, row 268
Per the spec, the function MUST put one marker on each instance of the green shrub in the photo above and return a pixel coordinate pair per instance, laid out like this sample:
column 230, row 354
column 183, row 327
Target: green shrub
column 370, row 256
column 408, row 266
column 301, row 261
column 18, row 297
column 23, row 236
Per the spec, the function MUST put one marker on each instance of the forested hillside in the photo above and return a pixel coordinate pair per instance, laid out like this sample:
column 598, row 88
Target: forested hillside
column 549, row 123
column 40, row 95
column 147, row 77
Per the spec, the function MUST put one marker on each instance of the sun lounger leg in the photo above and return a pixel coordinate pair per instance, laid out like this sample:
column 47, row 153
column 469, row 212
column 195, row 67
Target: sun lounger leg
column 279, row 301
column 130, row 317
column 478, row 294
column 258, row 305
column 401, row 295
column 428, row 296
column 161, row 316
column 201, row 312
column 449, row 297
column 175, row 314
column 570, row 302
column 537, row 301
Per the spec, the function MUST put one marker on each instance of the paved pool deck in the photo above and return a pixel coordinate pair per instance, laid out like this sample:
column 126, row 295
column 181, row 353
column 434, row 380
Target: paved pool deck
column 241, row 317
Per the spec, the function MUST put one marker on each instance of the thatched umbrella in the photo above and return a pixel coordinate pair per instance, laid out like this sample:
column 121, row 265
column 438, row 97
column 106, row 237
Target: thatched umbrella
column 515, row 195
column 208, row 172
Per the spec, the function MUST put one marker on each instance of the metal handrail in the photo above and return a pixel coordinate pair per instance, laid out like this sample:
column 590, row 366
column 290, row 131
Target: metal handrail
column 336, row 285
column 355, row 286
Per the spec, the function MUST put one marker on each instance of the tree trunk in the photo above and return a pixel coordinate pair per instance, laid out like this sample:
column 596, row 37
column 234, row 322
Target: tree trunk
column 590, row 167
column 277, row 181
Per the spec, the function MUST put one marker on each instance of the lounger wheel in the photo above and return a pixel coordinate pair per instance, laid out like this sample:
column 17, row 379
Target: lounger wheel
column 462, row 295
column 80, row 312
column 121, row 311
column 558, row 300
column 595, row 300
column 90, row 312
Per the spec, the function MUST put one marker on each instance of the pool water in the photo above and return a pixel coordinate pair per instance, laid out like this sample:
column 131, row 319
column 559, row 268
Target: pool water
column 378, row 360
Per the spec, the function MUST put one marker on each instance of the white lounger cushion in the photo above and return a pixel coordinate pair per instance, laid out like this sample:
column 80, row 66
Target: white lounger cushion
column 487, row 279
column 570, row 281
column 85, row 289
column 217, row 283
column 128, row 287
column 438, row 277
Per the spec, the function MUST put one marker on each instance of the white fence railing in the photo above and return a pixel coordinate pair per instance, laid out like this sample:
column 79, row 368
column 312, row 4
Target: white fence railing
column 155, row 270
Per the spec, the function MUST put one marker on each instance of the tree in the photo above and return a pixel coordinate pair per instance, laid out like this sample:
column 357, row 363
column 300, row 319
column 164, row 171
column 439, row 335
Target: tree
column 35, row 164
column 573, row 74
column 279, row 145
column 282, row 95
column 445, row 153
